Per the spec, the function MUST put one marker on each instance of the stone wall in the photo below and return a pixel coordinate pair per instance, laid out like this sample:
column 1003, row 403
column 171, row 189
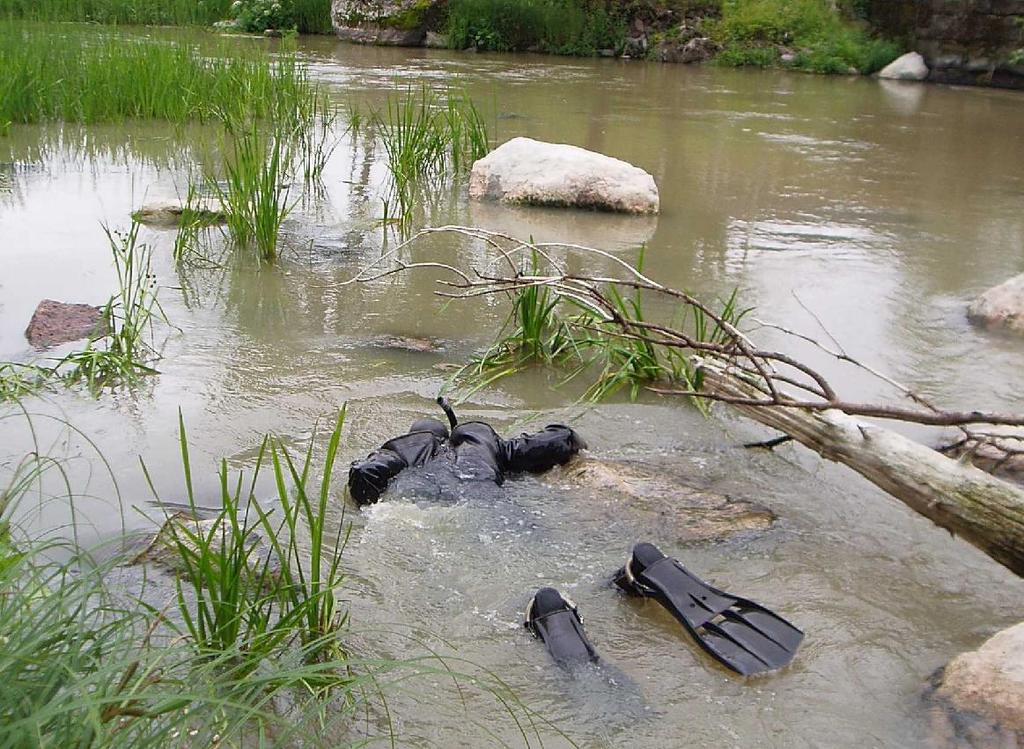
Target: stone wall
column 963, row 41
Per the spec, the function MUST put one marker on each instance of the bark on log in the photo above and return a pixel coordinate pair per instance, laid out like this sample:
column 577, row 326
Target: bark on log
column 964, row 500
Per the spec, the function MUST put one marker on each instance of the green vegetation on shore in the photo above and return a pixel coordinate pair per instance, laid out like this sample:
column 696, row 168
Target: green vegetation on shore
column 812, row 34
column 77, row 75
column 306, row 16
column 821, row 40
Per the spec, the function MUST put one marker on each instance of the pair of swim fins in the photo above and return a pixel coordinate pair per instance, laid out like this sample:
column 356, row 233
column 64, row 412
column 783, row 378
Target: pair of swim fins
column 742, row 635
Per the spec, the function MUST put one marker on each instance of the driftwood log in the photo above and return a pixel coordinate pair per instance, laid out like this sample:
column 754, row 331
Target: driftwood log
column 982, row 509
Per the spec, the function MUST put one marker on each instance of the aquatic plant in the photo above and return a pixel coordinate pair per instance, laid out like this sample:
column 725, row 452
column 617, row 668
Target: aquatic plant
column 427, row 137
column 125, row 352
column 18, row 379
column 255, row 189
column 78, row 75
column 256, row 582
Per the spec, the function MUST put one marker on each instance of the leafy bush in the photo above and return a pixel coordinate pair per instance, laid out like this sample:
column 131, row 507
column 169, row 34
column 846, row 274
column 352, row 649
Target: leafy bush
column 750, row 32
column 260, row 15
column 558, row 26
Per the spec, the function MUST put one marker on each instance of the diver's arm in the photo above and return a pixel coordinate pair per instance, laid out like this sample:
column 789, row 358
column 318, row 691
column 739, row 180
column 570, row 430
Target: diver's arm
column 367, row 479
column 535, row 453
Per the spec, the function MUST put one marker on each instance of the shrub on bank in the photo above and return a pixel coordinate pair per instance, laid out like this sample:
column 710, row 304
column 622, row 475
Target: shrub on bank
column 565, row 27
column 752, row 32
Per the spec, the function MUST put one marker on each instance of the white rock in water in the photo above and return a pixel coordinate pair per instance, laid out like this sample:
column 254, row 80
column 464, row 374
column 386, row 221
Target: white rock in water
column 989, row 682
column 1001, row 306
column 529, row 171
column 909, row 67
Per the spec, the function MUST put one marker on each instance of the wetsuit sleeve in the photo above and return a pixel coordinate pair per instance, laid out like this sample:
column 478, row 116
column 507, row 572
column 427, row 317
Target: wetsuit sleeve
column 367, row 479
column 535, row 453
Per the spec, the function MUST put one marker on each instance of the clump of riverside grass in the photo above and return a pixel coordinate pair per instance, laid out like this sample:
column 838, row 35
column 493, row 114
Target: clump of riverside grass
column 427, row 137
column 550, row 329
column 79, row 75
column 259, row 579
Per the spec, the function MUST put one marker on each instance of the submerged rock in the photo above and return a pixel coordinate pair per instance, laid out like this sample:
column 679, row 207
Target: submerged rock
column 405, row 343
column 170, row 213
column 1001, row 306
column 908, row 67
column 176, row 540
column 693, row 514
column 528, row 171
column 979, row 696
column 57, row 322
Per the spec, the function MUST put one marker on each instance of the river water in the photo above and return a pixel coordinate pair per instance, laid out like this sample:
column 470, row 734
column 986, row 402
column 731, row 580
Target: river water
column 876, row 210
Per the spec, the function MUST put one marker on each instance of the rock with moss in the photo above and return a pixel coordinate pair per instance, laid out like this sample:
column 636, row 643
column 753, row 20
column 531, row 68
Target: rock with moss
column 398, row 23
column 170, row 213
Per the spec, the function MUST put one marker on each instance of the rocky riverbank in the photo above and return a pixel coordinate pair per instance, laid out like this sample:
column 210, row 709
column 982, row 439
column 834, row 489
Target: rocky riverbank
column 959, row 42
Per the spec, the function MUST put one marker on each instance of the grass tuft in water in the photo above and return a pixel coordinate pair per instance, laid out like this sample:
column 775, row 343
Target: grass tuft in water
column 427, row 137
column 125, row 353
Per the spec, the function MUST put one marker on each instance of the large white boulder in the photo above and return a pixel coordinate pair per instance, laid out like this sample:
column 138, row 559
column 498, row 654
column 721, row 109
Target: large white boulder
column 1001, row 306
column 908, row 67
column 530, row 171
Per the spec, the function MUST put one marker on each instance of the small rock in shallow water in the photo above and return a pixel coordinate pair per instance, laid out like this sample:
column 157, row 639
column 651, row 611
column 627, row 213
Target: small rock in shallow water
column 56, row 322
column 979, row 697
column 1001, row 306
column 406, row 343
column 170, row 213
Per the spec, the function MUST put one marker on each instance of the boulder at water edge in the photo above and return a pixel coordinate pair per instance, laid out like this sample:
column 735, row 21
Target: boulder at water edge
column 981, row 694
column 395, row 23
column 58, row 322
column 1001, row 306
column 908, row 67
column 533, row 172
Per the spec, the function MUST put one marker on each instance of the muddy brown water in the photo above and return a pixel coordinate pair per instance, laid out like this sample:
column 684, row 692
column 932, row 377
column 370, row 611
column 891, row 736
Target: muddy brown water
column 878, row 208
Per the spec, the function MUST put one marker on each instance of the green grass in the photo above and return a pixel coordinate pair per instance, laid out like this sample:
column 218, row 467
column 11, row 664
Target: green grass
column 125, row 353
column 824, row 40
column 569, row 27
column 258, row 579
column 307, row 16
column 428, row 137
column 72, row 74
column 606, row 344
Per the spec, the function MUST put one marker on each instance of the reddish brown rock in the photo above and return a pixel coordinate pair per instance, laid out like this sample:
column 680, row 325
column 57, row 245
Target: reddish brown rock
column 57, row 322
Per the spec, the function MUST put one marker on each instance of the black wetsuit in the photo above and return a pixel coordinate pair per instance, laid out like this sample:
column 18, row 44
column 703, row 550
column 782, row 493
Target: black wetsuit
column 472, row 452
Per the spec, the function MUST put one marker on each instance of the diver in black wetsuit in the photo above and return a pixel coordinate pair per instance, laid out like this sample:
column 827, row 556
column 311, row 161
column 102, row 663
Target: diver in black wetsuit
column 471, row 452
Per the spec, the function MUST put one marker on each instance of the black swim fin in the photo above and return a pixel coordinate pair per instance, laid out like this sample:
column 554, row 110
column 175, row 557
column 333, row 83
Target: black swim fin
column 741, row 634
column 555, row 621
